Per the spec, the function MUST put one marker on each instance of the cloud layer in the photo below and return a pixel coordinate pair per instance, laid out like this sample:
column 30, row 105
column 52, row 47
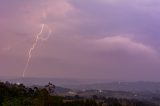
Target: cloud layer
column 108, row 39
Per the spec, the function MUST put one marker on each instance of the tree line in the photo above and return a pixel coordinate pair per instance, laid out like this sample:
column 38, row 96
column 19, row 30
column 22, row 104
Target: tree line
column 20, row 95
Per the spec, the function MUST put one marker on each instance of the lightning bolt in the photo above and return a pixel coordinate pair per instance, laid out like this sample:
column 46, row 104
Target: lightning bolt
column 47, row 37
column 38, row 37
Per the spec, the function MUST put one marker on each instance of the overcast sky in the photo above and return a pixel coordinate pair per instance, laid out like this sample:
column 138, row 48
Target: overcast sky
column 102, row 39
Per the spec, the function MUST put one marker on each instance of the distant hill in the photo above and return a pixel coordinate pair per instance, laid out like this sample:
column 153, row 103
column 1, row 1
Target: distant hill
column 29, row 81
column 69, row 87
column 122, row 86
column 153, row 87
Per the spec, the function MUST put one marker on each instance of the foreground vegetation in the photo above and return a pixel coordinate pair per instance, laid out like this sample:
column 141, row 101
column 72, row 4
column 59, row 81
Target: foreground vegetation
column 19, row 95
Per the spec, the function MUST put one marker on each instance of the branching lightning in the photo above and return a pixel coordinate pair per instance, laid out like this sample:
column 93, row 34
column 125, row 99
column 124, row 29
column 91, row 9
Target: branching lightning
column 38, row 37
column 47, row 37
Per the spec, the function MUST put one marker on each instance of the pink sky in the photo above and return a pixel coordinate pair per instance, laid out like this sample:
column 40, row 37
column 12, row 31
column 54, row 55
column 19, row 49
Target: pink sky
column 102, row 39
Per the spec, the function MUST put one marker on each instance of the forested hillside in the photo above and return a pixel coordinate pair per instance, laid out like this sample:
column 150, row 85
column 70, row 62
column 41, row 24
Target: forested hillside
column 20, row 95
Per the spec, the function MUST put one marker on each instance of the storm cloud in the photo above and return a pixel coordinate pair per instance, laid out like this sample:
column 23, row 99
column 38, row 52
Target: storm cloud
column 102, row 39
